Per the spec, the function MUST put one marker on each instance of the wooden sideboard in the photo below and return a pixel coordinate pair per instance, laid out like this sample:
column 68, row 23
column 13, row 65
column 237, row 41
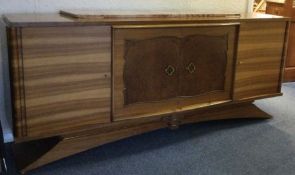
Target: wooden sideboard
column 286, row 9
column 79, row 81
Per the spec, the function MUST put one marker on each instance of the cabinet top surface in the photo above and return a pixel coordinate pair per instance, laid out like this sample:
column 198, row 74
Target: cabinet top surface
column 74, row 17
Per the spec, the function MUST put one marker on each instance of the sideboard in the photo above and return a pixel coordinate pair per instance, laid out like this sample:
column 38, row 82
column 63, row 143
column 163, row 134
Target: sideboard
column 83, row 79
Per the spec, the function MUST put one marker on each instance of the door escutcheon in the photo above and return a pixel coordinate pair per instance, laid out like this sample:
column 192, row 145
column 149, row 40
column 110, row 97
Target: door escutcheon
column 169, row 70
column 191, row 68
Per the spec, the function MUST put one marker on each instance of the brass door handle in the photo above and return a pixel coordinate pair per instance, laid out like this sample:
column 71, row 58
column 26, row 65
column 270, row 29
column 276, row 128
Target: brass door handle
column 170, row 70
column 191, row 68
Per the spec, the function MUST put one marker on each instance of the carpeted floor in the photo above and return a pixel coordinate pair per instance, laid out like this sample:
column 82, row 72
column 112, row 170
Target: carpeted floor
column 236, row 147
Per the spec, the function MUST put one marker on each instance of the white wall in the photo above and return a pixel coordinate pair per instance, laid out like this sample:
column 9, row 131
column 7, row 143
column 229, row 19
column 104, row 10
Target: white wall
column 34, row 6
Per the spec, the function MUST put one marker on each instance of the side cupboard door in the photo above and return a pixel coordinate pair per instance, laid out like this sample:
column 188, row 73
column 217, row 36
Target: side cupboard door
column 61, row 79
column 260, row 59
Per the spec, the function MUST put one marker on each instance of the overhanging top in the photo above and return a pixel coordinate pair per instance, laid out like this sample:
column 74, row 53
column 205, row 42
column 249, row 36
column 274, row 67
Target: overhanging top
column 78, row 17
column 86, row 14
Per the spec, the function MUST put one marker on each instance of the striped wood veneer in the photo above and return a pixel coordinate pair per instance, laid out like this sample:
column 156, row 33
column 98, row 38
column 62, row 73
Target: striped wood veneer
column 259, row 59
column 66, row 78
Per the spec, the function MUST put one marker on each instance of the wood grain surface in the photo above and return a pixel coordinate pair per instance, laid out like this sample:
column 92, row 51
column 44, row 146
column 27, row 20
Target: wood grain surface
column 147, row 75
column 53, row 19
column 174, row 67
column 286, row 9
column 66, row 78
column 170, row 105
column 98, row 14
column 260, row 55
column 68, row 145
column 16, row 81
column 290, row 60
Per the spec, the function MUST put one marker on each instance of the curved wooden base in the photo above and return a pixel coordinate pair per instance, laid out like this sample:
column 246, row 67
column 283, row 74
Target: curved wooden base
column 33, row 154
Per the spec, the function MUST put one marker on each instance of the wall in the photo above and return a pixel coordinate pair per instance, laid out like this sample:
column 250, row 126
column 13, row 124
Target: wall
column 34, row 6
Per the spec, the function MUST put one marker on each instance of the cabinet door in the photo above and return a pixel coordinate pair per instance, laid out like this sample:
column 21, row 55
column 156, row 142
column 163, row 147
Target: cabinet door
column 66, row 79
column 259, row 60
column 150, row 71
column 204, row 60
column 145, row 72
column 207, row 66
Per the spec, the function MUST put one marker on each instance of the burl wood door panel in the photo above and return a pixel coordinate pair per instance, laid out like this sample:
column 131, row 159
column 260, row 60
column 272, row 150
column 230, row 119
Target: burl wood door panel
column 208, row 67
column 66, row 78
column 259, row 60
column 204, row 60
column 164, row 70
column 147, row 76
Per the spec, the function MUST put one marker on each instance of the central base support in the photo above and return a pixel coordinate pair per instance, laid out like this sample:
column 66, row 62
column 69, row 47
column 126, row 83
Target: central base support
column 33, row 154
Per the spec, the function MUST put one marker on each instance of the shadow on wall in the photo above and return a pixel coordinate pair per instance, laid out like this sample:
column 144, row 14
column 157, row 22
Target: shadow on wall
column 5, row 107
